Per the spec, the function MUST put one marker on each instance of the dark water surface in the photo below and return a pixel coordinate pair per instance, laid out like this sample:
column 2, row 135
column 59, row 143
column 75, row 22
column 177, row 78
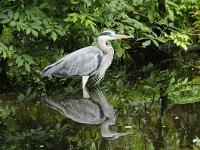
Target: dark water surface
column 153, row 125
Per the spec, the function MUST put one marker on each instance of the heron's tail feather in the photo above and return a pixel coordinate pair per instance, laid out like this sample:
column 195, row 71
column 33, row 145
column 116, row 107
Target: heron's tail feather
column 48, row 101
column 52, row 69
column 47, row 71
column 51, row 103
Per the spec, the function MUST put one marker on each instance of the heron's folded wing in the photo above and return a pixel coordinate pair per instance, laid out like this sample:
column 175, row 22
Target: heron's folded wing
column 79, row 63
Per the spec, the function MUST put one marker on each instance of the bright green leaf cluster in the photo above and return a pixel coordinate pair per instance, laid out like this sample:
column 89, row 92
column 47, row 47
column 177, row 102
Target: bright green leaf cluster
column 82, row 19
column 25, row 61
column 184, row 91
column 179, row 39
column 6, row 52
column 33, row 21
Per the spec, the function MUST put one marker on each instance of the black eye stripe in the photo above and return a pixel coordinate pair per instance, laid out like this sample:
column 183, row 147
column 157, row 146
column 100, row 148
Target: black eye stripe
column 112, row 35
column 106, row 33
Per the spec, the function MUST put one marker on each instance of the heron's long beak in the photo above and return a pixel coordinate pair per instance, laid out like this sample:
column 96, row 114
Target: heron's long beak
column 123, row 37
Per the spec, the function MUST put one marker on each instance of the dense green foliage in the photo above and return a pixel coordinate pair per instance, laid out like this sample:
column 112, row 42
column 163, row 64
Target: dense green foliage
column 157, row 66
column 35, row 34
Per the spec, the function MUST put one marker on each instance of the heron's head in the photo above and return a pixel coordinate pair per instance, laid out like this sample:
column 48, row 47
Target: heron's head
column 109, row 35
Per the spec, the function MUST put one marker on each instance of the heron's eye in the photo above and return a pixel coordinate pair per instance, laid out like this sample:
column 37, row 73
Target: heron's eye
column 112, row 35
column 105, row 33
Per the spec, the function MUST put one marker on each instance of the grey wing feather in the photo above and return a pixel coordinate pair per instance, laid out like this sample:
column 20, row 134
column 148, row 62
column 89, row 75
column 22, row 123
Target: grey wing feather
column 82, row 62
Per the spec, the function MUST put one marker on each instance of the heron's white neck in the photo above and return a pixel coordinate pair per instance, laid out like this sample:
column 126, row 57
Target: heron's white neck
column 102, row 45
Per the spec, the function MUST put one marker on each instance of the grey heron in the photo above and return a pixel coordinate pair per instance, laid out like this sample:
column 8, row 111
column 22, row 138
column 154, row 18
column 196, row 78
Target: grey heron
column 94, row 110
column 85, row 62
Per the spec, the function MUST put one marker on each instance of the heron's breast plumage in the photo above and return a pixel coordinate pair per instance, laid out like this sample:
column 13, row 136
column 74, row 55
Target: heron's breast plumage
column 105, row 63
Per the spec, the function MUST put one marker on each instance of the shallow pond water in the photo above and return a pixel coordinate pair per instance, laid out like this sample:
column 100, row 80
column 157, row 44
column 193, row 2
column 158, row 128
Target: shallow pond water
column 153, row 125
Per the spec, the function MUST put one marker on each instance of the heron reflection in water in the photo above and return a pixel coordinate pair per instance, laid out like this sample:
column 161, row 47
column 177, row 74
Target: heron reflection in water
column 94, row 110
column 85, row 62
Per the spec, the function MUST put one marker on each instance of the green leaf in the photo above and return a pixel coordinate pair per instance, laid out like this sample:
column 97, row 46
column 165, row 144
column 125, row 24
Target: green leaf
column 126, row 46
column 9, row 54
column 28, row 30
column 171, row 15
column 146, row 43
column 16, row 15
column 5, row 21
column 34, row 32
column 22, row 18
column 176, row 93
column 82, row 18
column 196, row 80
column 4, row 54
column 172, row 4
column 184, row 46
column 3, row 46
column 161, row 39
column 120, row 51
column 28, row 91
column 59, row 32
column 172, row 80
column 49, row 30
column 87, row 22
column 3, row 16
column 92, row 26
column 10, row 48
column 19, row 61
column 54, row 35
column 155, row 42
column 147, row 87
column 75, row 18
column 185, row 81
column 27, row 67
column 150, row 16
column 29, row 59
column 10, row 14
column 13, row 23
column 18, row 28
column 197, row 142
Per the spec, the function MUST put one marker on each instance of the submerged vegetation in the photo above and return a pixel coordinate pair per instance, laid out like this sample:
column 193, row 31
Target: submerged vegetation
column 160, row 65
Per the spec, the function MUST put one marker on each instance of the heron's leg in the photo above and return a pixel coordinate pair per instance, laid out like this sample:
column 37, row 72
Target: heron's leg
column 84, row 81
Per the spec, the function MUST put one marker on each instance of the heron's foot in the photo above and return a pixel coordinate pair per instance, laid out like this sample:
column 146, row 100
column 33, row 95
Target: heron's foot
column 84, row 81
column 85, row 94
